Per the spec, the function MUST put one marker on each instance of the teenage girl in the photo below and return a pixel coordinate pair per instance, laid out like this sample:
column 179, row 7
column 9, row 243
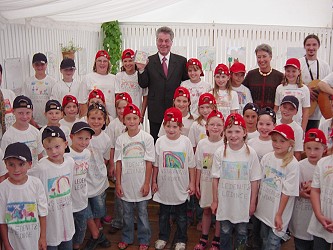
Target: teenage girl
column 292, row 85
column 204, row 159
column 226, row 98
column 278, row 188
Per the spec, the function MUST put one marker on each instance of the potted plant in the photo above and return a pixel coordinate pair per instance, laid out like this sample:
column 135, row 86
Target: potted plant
column 69, row 50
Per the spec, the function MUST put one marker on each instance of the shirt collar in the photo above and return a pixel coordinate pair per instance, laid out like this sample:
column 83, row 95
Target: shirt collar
column 161, row 56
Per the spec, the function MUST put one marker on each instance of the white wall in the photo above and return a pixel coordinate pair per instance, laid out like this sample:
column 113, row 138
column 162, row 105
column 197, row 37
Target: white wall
column 306, row 13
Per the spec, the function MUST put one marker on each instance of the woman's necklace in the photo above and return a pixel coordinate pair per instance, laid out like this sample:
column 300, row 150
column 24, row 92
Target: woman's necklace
column 68, row 86
column 265, row 74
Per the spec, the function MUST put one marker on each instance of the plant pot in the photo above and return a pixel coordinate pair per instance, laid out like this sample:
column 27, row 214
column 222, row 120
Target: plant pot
column 68, row 54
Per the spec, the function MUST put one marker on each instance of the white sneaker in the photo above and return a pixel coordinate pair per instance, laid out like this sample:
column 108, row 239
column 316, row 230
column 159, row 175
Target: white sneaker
column 160, row 244
column 180, row 246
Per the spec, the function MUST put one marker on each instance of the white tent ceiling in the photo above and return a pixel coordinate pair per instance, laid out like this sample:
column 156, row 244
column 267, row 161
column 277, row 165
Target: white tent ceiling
column 312, row 13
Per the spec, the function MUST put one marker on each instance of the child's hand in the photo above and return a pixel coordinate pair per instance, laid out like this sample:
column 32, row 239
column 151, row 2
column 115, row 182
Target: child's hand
column 145, row 190
column 154, row 187
column 252, row 209
column 42, row 244
column 119, row 190
column 111, row 171
column 197, row 192
column 278, row 222
column 326, row 223
column 191, row 189
column 213, row 207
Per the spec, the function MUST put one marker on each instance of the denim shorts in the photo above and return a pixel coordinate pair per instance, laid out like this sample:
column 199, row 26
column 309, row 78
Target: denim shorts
column 80, row 221
column 96, row 206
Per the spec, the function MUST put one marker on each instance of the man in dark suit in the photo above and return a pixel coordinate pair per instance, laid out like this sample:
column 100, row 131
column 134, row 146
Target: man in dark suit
column 162, row 75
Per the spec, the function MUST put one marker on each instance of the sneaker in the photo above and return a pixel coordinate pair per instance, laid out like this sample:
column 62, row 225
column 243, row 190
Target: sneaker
column 160, row 244
column 92, row 243
column 180, row 246
column 107, row 220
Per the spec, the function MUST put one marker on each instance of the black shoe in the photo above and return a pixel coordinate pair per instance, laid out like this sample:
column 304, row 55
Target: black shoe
column 103, row 241
column 113, row 230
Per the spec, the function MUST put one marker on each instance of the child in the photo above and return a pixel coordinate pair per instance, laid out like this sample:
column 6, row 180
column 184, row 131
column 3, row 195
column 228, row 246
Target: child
column 56, row 173
column 250, row 114
column 326, row 126
column 204, row 159
column 321, row 199
column 292, row 85
column 195, row 85
column 278, row 187
column 226, row 98
column 182, row 101
column 3, row 171
column 38, row 88
column 97, row 180
column 67, row 86
column 127, row 81
column 237, row 74
column 134, row 154
column 173, row 179
column 81, row 134
column 289, row 107
column 70, row 108
column 314, row 147
column 22, row 131
column 266, row 123
column 207, row 104
column 23, row 206
column 236, row 173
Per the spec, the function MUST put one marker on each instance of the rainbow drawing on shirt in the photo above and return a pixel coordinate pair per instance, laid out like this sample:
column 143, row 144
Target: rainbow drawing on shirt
column 328, row 171
column 273, row 177
column 58, row 186
column 173, row 159
column 207, row 161
column 21, row 212
column 235, row 170
column 80, row 168
column 134, row 150
column 8, row 106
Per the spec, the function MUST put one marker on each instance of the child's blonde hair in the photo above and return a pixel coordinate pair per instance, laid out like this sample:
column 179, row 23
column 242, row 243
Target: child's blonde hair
column 299, row 81
column 201, row 118
column 289, row 155
column 228, row 88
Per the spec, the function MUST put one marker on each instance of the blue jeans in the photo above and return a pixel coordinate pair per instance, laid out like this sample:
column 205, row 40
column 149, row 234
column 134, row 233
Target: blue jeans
column 65, row 245
column 303, row 244
column 144, row 232
column 80, row 221
column 117, row 221
column 320, row 243
column 226, row 234
column 181, row 221
column 96, row 206
column 270, row 241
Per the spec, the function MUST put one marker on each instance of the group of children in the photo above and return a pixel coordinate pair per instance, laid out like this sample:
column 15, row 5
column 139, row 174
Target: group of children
column 215, row 144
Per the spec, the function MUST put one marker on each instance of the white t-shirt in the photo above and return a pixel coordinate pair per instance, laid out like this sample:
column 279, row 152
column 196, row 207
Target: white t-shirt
column 133, row 152
column 298, row 132
column 261, row 147
column 39, row 91
column 106, row 83
column 185, row 129
column 329, row 79
column 196, row 90
column 63, row 88
column 235, row 172
column 327, row 129
column 9, row 97
column 302, row 212
column 251, row 135
column 63, row 122
column 130, row 84
column 97, row 176
column 79, row 188
column 322, row 178
column 173, row 159
column 302, row 94
column 20, row 208
column 197, row 132
column 324, row 70
column 30, row 137
column 57, row 180
column 3, row 169
column 244, row 97
column 114, row 130
column 275, row 181
column 226, row 103
column 204, row 160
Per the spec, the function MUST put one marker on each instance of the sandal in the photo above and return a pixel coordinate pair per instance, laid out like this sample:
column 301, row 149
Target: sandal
column 215, row 245
column 201, row 245
column 122, row 245
column 143, row 247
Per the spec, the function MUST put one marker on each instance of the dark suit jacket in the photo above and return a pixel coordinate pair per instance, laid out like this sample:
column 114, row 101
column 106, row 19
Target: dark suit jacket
column 160, row 87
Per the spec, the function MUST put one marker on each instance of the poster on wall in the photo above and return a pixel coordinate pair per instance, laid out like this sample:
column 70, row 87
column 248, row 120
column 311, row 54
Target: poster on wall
column 52, row 64
column 207, row 55
column 81, row 62
column 13, row 75
column 236, row 54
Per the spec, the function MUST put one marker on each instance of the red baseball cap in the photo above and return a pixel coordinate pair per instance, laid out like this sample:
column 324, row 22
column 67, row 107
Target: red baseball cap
column 316, row 135
column 131, row 109
column 221, row 69
column 194, row 61
column 181, row 91
column 123, row 96
column 285, row 130
column 237, row 67
column 127, row 53
column 96, row 93
column 173, row 115
column 206, row 98
column 102, row 53
column 215, row 113
column 67, row 99
column 235, row 119
column 294, row 62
